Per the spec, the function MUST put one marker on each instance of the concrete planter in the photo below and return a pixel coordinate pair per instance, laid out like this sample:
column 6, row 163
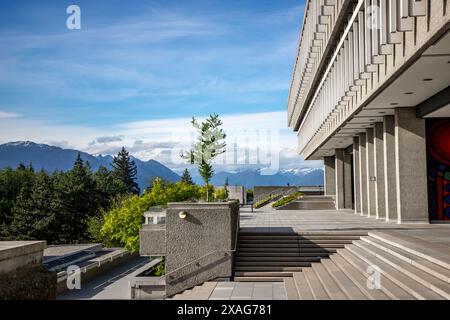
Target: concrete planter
column 148, row 287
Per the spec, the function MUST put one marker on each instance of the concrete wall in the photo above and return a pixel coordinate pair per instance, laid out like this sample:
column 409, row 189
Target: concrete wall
column 152, row 240
column 22, row 276
column 237, row 193
column 199, row 247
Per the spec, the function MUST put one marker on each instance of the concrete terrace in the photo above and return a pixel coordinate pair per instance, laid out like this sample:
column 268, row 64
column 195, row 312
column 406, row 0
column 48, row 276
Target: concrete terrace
column 424, row 241
column 267, row 219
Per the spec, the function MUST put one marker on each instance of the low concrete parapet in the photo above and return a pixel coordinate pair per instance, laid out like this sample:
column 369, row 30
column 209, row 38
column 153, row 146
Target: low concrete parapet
column 22, row 276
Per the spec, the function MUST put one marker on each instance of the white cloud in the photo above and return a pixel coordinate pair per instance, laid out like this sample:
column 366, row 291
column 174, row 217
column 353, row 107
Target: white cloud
column 254, row 140
column 8, row 115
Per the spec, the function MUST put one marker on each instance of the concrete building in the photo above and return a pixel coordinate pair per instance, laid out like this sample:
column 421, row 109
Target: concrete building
column 370, row 96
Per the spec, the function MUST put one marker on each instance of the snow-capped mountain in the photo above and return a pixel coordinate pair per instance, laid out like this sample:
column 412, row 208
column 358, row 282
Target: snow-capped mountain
column 51, row 158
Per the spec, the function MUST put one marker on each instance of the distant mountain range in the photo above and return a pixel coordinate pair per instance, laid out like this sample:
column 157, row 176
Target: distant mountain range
column 51, row 158
column 251, row 178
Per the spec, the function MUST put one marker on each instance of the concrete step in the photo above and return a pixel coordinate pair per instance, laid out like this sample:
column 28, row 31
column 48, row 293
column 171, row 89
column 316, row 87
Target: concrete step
column 202, row 292
column 279, row 250
column 274, row 263
column 294, row 241
column 282, row 254
column 359, row 279
column 291, row 289
column 185, row 295
column 303, row 289
column 415, row 288
column 276, row 259
column 343, row 282
column 392, row 290
column 299, row 237
column 315, row 285
column 330, row 286
column 266, row 268
column 258, row 279
column 261, row 274
column 412, row 245
column 418, row 262
column 437, row 285
column 290, row 245
column 321, row 233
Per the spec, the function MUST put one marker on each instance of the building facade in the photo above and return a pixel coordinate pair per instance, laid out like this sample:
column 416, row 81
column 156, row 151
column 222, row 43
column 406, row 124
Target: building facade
column 370, row 96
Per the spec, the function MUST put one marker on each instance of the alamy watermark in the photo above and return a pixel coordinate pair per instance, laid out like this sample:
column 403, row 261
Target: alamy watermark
column 374, row 277
column 73, row 281
column 73, row 21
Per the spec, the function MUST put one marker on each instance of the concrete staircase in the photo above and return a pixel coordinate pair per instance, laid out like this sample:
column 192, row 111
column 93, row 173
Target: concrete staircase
column 405, row 273
column 274, row 256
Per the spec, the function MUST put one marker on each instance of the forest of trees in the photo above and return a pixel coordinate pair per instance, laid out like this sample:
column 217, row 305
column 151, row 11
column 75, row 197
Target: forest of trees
column 79, row 205
column 58, row 206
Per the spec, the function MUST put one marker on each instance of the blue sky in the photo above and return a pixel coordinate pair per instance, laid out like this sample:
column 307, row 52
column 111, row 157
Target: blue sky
column 137, row 70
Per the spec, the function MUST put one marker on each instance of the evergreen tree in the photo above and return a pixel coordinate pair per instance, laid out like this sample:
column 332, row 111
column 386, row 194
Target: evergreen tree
column 34, row 214
column 75, row 196
column 125, row 170
column 210, row 144
column 107, row 187
column 186, row 177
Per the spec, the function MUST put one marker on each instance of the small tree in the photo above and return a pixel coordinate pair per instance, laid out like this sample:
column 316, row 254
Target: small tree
column 210, row 144
column 186, row 177
column 125, row 170
column 225, row 187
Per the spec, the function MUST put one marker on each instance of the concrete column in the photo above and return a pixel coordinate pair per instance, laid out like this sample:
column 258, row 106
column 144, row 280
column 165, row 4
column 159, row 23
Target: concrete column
column 370, row 172
column 380, row 202
column 389, row 168
column 363, row 173
column 356, row 176
column 340, row 181
column 330, row 176
column 348, row 203
column 411, row 166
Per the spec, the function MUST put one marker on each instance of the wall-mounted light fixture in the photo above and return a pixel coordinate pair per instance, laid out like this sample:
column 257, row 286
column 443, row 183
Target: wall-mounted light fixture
column 182, row 214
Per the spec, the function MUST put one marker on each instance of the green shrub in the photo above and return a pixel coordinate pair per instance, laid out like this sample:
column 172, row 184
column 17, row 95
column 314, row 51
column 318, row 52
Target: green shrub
column 220, row 194
column 122, row 223
column 266, row 200
column 285, row 200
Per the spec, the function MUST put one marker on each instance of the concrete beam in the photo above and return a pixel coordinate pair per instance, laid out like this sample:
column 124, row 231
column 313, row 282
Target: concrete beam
column 330, row 176
column 411, row 166
column 380, row 201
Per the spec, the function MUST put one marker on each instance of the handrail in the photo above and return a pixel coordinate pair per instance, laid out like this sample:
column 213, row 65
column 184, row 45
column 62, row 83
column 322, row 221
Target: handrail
column 209, row 253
